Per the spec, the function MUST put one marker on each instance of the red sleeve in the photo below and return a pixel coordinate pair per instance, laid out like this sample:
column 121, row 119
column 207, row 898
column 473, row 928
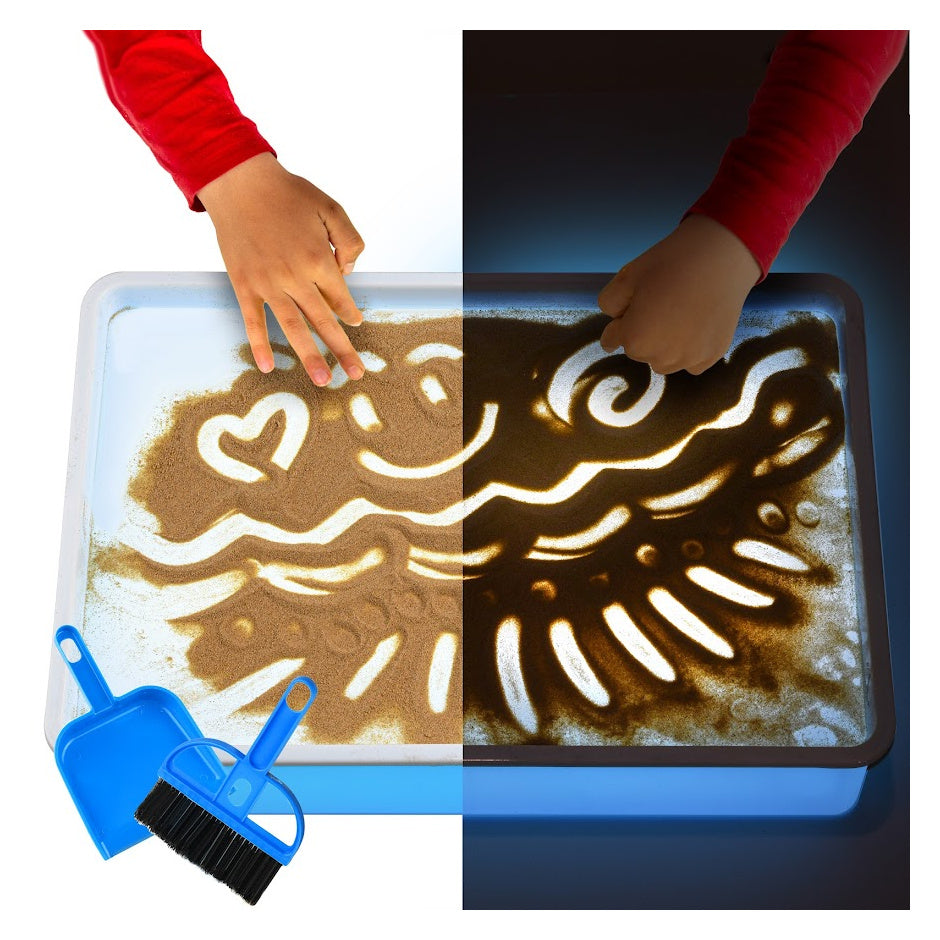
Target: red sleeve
column 818, row 88
column 177, row 99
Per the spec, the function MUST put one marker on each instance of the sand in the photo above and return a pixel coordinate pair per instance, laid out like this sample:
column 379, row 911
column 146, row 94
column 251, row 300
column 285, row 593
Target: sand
column 515, row 595
column 754, row 674
column 330, row 605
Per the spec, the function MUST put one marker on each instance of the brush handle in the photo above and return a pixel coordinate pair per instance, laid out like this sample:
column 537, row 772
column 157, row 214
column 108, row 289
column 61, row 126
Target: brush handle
column 84, row 669
column 279, row 727
column 248, row 776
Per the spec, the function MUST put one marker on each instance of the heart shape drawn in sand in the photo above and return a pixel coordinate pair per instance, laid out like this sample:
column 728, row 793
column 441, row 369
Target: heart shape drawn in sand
column 248, row 428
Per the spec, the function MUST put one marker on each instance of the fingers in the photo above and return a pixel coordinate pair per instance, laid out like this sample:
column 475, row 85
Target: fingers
column 701, row 366
column 617, row 333
column 348, row 245
column 294, row 324
column 618, row 292
column 256, row 328
column 300, row 304
column 332, row 288
column 610, row 338
column 287, row 243
column 346, row 241
column 297, row 315
column 319, row 316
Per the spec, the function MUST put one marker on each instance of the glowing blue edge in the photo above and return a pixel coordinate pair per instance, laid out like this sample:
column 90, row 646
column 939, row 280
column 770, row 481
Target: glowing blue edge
column 568, row 791
column 660, row 791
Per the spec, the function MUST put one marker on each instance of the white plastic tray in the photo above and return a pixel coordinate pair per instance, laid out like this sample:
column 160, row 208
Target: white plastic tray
column 148, row 340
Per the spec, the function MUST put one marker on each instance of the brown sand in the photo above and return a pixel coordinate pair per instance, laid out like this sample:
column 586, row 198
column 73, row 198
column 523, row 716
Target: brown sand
column 793, row 660
column 334, row 634
column 774, row 684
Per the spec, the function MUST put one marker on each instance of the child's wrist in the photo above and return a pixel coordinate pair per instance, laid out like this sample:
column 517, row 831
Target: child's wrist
column 725, row 244
column 245, row 175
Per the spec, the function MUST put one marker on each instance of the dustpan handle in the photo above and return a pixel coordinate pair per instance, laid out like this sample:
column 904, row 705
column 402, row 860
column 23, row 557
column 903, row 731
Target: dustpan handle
column 84, row 669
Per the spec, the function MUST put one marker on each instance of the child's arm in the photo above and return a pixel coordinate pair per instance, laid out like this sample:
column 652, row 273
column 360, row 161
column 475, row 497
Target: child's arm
column 677, row 305
column 274, row 229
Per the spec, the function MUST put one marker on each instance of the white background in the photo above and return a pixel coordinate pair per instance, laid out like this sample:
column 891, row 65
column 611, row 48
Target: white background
column 372, row 117
column 362, row 98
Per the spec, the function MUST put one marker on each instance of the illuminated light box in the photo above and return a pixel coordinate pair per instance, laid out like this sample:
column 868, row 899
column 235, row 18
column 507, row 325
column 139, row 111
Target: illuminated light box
column 681, row 607
column 226, row 531
column 527, row 577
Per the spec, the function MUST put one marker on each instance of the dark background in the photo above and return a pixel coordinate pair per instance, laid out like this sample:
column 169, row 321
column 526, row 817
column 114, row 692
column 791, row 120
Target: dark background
column 581, row 149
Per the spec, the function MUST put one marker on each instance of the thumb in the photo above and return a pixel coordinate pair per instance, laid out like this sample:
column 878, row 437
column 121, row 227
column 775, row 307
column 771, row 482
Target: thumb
column 346, row 241
column 610, row 338
column 618, row 292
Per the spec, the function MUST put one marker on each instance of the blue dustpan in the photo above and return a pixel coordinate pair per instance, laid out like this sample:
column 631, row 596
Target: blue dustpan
column 109, row 757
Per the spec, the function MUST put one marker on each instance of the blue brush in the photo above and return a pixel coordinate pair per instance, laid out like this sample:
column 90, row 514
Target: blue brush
column 210, row 825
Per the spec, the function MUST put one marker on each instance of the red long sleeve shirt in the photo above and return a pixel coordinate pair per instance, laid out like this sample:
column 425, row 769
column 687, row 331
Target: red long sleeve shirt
column 179, row 102
column 817, row 90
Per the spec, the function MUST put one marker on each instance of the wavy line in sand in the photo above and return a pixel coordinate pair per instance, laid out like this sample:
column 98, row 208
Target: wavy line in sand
column 139, row 535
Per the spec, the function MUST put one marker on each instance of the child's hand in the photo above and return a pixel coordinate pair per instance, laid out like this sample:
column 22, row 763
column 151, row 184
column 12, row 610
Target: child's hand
column 275, row 231
column 677, row 305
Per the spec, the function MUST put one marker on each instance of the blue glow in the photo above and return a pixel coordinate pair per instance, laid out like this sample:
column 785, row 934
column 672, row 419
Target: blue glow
column 660, row 791
column 569, row 791
column 430, row 789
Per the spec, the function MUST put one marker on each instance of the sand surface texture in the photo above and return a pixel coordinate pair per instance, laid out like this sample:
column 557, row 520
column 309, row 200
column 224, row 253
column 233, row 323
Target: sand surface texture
column 503, row 535
column 668, row 560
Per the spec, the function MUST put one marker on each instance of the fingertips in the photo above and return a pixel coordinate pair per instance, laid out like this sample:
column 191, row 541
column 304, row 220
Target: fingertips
column 660, row 361
column 352, row 366
column 319, row 315
column 612, row 300
column 701, row 366
column 329, row 285
column 336, row 294
column 263, row 357
column 295, row 326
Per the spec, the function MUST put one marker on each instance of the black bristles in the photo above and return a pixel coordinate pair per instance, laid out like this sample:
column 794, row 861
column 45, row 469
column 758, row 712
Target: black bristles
column 206, row 841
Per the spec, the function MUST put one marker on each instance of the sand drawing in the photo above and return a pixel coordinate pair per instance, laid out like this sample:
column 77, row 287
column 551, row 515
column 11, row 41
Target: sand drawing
column 296, row 424
column 503, row 534
column 279, row 527
column 666, row 560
